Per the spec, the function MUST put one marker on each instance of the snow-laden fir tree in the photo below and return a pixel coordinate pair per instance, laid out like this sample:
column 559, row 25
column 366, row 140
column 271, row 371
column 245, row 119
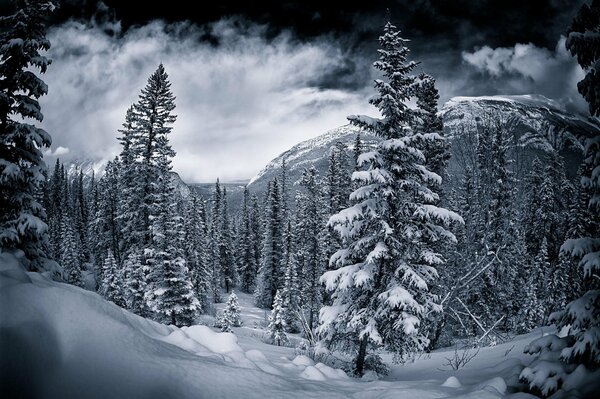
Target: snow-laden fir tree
column 131, row 188
column 135, row 274
column 215, row 240
column 22, row 42
column 69, row 255
column 226, row 254
column 271, row 271
column 380, row 289
column 311, row 238
column 196, row 254
column 170, row 294
column 231, row 314
column 111, row 286
column 560, row 358
column 152, row 121
column 531, row 310
column 337, row 189
column 277, row 326
column 291, row 293
column 428, row 121
column 246, row 258
column 105, row 234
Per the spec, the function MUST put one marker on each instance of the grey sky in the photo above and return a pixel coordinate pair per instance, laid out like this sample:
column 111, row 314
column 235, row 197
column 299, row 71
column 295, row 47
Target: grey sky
column 242, row 102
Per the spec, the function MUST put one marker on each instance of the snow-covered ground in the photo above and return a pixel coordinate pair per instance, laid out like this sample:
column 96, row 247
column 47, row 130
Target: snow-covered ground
column 60, row 341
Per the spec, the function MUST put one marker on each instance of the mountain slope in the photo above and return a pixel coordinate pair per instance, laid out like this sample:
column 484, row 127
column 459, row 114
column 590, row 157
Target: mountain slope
column 538, row 123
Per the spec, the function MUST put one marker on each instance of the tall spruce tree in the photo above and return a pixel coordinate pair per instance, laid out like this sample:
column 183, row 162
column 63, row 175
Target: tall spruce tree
column 271, row 272
column 310, row 232
column 22, row 42
column 247, row 265
column 380, row 289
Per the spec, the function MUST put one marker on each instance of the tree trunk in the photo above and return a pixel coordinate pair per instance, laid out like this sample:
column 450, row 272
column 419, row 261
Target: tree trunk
column 360, row 358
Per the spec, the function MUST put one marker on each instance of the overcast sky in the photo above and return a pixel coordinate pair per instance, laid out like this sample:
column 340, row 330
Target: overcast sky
column 253, row 78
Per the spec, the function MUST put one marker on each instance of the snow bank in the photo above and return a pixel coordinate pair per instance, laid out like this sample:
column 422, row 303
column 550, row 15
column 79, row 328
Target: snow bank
column 60, row 341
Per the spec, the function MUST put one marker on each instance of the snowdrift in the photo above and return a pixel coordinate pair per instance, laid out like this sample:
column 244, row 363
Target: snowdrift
column 60, row 341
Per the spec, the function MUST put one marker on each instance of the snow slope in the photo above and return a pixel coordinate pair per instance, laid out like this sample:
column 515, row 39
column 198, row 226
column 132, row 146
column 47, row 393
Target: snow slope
column 59, row 341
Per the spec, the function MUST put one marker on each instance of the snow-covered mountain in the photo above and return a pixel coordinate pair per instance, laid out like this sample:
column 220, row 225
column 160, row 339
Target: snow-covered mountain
column 537, row 122
column 312, row 152
column 89, row 167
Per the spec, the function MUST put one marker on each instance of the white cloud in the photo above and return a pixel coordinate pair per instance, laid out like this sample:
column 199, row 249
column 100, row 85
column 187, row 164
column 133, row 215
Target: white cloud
column 526, row 68
column 239, row 103
column 58, row 152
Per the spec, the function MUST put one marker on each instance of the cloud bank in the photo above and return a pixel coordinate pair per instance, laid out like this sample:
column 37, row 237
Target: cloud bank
column 241, row 99
column 526, row 68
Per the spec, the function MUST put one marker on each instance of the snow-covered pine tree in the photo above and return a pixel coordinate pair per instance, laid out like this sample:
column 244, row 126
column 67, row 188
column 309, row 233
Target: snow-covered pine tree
column 70, row 260
column 270, row 275
column 196, row 239
column 228, row 267
column 152, row 118
column 170, row 294
column 247, row 265
column 231, row 314
column 380, row 290
column 338, row 187
column 131, row 187
column 531, row 306
column 215, row 239
column 357, row 149
column 580, row 349
column 111, row 286
column 105, row 234
column 437, row 152
column 256, row 233
column 291, row 294
column 311, row 234
column 276, row 328
column 22, row 41
column 135, row 273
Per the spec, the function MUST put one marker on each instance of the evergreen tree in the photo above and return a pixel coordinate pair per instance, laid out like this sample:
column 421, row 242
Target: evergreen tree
column 380, row 289
column 196, row 240
column 276, row 328
column 357, row 149
column 270, row 275
column 170, row 294
column 151, row 118
column 216, row 224
column 291, row 294
column 437, row 151
column 310, row 233
column 228, row 268
column 111, row 281
column 231, row 314
column 105, row 233
column 69, row 255
column 22, row 41
column 247, row 265
column 135, row 273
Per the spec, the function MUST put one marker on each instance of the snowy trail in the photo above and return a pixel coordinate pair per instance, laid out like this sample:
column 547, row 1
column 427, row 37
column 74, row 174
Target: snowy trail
column 67, row 343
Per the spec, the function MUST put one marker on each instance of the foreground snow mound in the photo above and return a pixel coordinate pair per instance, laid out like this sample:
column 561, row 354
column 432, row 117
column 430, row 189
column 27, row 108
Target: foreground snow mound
column 60, row 341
